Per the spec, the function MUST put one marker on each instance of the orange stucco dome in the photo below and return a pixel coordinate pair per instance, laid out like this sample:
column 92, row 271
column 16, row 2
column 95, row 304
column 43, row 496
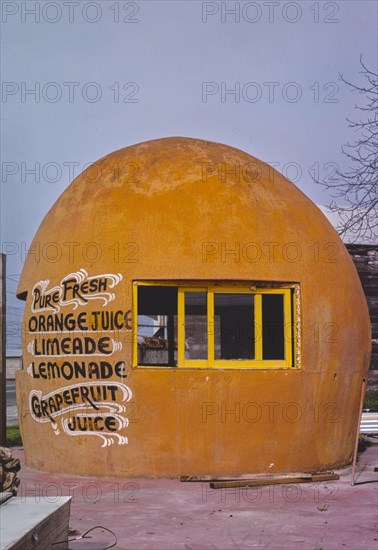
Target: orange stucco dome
column 181, row 209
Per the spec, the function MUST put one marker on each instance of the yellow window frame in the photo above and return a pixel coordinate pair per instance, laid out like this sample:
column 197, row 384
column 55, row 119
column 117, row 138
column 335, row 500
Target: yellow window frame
column 291, row 302
column 181, row 359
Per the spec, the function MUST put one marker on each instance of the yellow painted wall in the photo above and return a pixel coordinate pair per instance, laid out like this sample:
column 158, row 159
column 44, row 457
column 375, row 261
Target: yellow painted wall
column 145, row 212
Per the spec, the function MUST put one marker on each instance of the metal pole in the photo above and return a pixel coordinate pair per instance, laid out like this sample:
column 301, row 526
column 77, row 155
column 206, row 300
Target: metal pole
column 3, row 367
column 358, row 428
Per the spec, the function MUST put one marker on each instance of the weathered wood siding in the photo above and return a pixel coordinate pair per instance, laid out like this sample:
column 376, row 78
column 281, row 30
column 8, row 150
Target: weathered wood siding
column 365, row 258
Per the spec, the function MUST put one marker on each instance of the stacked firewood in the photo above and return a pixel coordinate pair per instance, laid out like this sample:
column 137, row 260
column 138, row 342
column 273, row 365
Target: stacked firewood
column 9, row 467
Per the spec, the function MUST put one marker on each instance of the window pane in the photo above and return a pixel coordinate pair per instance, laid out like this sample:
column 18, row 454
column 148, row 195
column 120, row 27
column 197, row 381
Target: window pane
column 157, row 325
column 195, row 325
column 273, row 326
column 234, row 326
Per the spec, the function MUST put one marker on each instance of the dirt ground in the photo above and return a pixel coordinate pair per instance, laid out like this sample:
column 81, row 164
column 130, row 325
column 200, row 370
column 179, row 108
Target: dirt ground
column 166, row 514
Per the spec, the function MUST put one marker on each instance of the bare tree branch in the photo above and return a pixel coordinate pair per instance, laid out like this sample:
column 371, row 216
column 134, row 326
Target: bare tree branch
column 354, row 192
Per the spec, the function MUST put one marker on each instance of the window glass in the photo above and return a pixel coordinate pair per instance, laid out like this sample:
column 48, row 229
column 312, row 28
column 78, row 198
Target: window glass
column 273, row 326
column 234, row 326
column 195, row 325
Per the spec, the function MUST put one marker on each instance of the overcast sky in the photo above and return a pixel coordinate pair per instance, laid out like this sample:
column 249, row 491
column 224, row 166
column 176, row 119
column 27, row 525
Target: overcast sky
column 109, row 74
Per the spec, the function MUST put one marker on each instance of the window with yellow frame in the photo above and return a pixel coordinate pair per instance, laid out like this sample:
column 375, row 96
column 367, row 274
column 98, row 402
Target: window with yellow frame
column 215, row 325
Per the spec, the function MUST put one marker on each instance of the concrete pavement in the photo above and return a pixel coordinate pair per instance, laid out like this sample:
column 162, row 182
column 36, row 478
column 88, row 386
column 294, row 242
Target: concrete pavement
column 166, row 514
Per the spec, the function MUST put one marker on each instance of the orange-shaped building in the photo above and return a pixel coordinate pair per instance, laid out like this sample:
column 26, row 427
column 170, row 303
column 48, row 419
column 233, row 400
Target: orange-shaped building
column 189, row 311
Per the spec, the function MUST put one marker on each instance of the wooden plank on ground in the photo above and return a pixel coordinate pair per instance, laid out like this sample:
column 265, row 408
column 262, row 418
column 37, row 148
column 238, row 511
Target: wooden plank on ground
column 195, row 478
column 325, row 477
column 273, row 481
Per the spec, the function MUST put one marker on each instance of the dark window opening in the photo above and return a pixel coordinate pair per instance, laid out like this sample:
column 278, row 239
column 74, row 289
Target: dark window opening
column 273, row 326
column 234, row 326
column 213, row 325
column 157, row 325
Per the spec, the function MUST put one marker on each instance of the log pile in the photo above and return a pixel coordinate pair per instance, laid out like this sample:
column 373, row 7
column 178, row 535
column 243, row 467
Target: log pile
column 9, row 467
